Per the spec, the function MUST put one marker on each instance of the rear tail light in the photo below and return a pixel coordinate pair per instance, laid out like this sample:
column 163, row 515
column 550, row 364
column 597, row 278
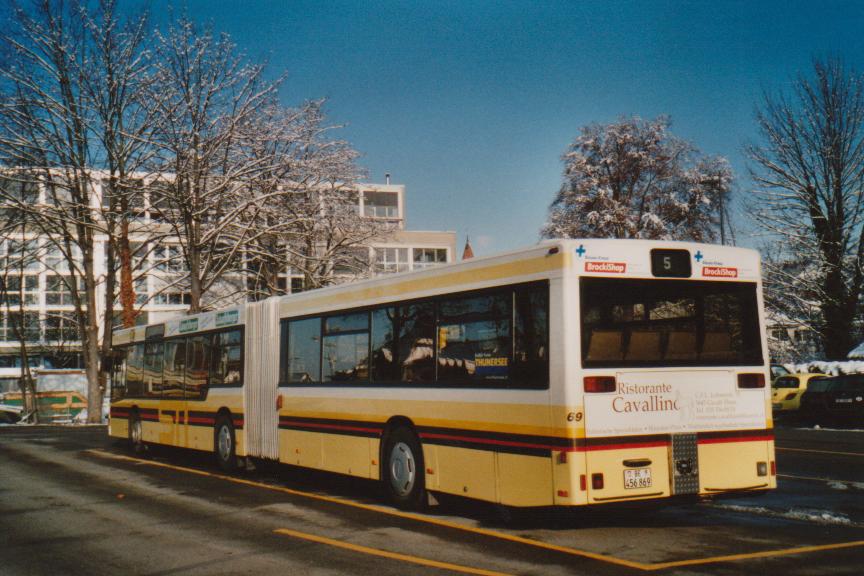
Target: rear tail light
column 597, row 481
column 583, row 483
column 599, row 384
column 751, row 381
column 773, row 468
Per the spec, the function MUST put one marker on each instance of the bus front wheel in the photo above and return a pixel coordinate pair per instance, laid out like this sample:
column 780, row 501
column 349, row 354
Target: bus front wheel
column 224, row 446
column 403, row 474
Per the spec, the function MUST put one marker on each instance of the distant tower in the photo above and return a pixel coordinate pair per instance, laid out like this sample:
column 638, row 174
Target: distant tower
column 467, row 252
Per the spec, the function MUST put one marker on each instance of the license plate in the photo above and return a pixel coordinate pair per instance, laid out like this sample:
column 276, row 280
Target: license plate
column 637, row 478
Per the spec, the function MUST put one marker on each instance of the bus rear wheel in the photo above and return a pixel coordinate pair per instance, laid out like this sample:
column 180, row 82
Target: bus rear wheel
column 224, row 446
column 403, row 474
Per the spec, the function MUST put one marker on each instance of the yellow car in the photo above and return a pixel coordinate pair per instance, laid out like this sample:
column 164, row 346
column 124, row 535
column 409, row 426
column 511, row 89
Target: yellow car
column 786, row 391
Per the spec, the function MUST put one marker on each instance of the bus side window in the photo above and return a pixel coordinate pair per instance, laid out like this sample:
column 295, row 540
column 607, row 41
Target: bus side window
column 416, row 343
column 153, row 369
column 226, row 368
column 304, row 351
column 531, row 339
column 284, row 365
column 346, row 348
column 134, row 371
column 385, row 367
column 118, row 374
column 197, row 380
column 174, row 368
column 474, row 343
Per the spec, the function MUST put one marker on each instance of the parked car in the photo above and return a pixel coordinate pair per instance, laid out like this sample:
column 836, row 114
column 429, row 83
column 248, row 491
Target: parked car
column 845, row 401
column 813, row 407
column 786, row 391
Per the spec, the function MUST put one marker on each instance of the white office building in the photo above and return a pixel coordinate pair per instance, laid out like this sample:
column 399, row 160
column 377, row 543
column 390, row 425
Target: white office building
column 50, row 330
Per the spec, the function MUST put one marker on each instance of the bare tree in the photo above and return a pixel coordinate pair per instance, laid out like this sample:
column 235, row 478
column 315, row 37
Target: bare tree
column 115, row 87
column 48, row 120
column 204, row 93
column 310, row 220
column 809, row 169
column 16, row 256
column 634, row 179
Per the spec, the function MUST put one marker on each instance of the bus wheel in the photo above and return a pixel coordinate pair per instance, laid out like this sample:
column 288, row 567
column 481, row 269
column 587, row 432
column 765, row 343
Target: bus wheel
column 224, row 447
column 403, row 474
column 136, row 434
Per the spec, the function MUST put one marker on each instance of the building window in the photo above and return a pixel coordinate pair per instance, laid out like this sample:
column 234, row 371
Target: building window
column 381, row 204
column 22, row 289
column 26, row 192
column 169, row 258
column 61, row 327
column 173, row 297
column 389, row 260
column 427, row 257
column 29, row 324
column 23, row 255
column 353, row 260
column 57, row 290
column 55, row 260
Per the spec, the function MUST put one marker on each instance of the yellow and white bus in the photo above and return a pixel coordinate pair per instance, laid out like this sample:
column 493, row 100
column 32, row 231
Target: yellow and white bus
column 574, row 372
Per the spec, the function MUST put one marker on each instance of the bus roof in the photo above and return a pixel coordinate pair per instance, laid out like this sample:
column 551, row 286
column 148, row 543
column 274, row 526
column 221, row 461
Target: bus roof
column 550, row 258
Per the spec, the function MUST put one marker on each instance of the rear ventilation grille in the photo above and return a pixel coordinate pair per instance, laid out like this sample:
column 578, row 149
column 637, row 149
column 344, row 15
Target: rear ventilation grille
column 685, row 464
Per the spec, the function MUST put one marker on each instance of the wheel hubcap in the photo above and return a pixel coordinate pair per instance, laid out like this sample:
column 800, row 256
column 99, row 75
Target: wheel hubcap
column 224, row 443
column 403, row 469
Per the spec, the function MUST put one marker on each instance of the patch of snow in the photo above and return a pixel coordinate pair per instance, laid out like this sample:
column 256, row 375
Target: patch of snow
column 838, row 486
column 818, row 516
column 825, row 367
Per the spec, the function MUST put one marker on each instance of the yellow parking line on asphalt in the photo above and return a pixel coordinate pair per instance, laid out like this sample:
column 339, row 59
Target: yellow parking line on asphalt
column 483, row 531
column 381, row 510
column 387, row 554
column 858, row 454
column 751, row 555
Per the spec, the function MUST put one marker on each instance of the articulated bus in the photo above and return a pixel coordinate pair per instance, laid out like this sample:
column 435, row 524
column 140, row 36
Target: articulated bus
column 574, row 372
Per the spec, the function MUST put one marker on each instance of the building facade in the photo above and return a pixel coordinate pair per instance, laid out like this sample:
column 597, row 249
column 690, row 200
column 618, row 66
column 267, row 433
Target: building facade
column 35, row 286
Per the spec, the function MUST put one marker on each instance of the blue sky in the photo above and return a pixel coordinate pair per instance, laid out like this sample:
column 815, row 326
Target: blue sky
column 470, row 104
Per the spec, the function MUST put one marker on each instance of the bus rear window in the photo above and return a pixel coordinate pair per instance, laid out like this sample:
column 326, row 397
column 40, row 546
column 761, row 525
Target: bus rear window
column 668, row 323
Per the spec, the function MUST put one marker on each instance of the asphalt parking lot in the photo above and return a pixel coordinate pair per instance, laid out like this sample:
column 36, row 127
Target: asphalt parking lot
column 73, row 501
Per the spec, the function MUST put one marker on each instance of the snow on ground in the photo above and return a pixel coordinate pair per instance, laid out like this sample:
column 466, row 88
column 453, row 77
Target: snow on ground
column 808, row 515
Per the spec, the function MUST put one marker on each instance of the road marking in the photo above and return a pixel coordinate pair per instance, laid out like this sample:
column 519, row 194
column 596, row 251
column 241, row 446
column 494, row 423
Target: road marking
column 482, row 531
column 818, row 479
column 381, row 510
column 751, row 555
column 387, row 554
column 859, row 454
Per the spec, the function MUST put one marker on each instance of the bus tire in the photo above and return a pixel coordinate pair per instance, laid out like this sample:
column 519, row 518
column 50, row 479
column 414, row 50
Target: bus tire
column 403, row 473
column 224, row 445
column 136, row 434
